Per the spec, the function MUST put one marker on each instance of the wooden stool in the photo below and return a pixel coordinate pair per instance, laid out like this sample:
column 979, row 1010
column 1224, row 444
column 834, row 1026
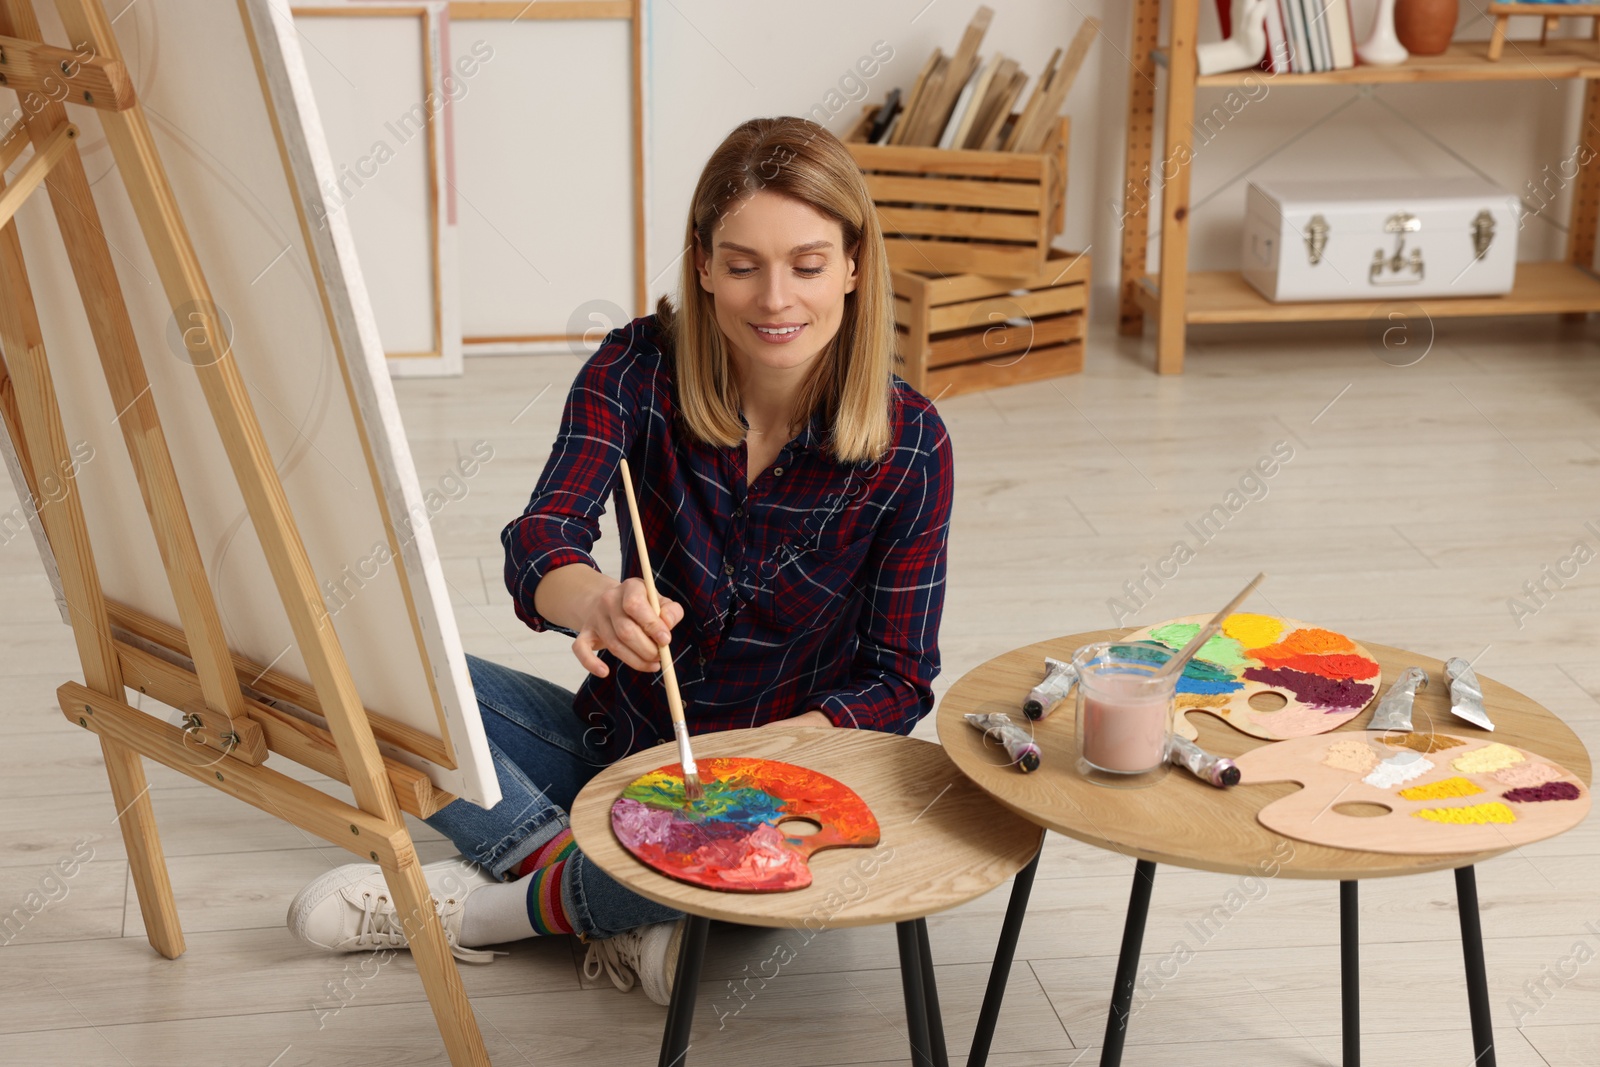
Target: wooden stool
column 942, row 842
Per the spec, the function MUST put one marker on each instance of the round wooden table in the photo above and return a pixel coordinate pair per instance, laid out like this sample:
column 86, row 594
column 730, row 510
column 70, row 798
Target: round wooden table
column 942, row 842
column 1186, row 822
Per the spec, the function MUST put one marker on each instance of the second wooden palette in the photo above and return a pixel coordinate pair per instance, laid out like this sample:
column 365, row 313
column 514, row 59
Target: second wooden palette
column 1414, row 793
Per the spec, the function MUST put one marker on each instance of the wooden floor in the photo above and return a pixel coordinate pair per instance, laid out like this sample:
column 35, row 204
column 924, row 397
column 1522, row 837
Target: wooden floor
column 1418, row 502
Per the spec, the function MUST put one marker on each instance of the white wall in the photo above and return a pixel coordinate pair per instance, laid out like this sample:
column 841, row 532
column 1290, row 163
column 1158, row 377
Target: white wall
column 713, row 63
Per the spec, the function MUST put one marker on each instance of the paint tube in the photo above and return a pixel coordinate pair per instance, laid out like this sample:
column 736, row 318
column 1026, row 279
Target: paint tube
column 1394, row 710
column 1043, row 698
column 1216, row 770
column 1466, row 695
column 1013, row 738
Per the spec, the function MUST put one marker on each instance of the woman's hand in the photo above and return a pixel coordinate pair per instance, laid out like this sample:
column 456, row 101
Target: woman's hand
column 619, row 618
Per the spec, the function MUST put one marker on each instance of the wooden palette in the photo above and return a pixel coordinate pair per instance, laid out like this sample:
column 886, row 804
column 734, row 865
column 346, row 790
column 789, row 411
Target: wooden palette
column 742, row 837
column 1326, row 678
column 1511, row 796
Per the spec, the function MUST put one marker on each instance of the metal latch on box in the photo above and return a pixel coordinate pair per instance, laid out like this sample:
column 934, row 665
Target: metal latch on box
column 1398, row 268
column 1399, row 224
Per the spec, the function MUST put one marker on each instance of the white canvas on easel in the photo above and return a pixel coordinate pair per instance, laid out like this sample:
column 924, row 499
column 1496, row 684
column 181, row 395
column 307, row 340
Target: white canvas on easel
column 306, row 341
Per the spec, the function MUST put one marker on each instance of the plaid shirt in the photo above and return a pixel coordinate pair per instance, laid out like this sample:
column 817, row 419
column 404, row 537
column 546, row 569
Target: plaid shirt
column 818, row 586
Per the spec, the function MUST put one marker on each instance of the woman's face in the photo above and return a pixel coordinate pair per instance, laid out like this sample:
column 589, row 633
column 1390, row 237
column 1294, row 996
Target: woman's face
column 778, row 275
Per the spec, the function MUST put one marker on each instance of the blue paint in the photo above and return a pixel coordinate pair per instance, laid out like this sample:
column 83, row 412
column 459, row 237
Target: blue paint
column 1207, row 686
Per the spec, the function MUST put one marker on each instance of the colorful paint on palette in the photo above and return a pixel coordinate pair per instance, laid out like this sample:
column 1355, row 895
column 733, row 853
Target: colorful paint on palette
column 1491, row 757
column 731, row 840
column 1351, row 754
column 1398, row 768
column 1325, row 677
column 1444, row 789
column 1471, row 815
column 1527, row 775
column 1540, row 793
column 1423, row 743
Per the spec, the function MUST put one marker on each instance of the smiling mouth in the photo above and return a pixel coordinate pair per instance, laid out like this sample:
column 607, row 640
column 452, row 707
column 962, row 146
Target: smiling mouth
column 778, row 331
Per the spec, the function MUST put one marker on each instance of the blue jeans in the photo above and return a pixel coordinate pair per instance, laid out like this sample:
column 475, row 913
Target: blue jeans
column 543, row 758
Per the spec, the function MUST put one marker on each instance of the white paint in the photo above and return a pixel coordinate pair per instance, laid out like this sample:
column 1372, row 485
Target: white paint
column 1401, row 767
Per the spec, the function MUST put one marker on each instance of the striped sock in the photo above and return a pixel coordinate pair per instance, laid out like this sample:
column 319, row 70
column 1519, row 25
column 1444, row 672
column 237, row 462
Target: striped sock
column 545, row 908
column 557, row 848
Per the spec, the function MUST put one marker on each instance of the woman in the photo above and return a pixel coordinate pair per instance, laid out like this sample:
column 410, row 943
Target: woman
column 795, row 495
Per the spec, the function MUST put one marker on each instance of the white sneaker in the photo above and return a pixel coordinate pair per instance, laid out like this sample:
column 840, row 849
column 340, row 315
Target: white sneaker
column 456, row 877
column 349, row 910
column 648, row 952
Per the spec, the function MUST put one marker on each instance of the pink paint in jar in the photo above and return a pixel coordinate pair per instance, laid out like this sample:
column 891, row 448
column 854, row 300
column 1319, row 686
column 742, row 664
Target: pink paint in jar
column 1124, row 708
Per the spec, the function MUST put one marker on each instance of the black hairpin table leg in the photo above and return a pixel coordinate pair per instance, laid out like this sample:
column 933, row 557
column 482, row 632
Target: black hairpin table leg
column 1477, row 976
column 1144, row 876
column 1350, row 972
column 1000, row 972
column 680, row 1013
column 930, row 996
column 916, row 999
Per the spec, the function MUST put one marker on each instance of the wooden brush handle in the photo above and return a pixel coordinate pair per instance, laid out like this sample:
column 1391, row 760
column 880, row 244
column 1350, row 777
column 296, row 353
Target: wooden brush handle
column 669, row 675
column 1187, row 652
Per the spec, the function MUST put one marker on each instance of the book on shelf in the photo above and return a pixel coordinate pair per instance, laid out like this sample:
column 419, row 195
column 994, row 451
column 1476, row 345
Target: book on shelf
column 1299, row 46
column 1342, row 34
column 1277, row 58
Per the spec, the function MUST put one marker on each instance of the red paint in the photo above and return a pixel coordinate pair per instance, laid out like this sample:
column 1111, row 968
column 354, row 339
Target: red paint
column 1339, row 665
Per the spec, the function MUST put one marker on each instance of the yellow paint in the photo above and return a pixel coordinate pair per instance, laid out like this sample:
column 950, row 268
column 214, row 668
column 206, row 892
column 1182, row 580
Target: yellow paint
column 1450, row 787
column 1492, row 757
column 1473, row 815
column 1202, row 700
column 1252, row 631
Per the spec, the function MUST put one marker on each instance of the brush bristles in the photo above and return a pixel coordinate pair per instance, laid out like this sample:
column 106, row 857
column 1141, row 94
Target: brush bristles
column 692, row 789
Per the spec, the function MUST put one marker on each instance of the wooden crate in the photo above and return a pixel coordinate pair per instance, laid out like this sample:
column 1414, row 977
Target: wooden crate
column 964, row 211
column 964, row 332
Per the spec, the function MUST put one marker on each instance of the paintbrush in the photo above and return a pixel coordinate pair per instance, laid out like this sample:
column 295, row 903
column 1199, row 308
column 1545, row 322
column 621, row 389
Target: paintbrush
column 692, row 790
column 1176, row 664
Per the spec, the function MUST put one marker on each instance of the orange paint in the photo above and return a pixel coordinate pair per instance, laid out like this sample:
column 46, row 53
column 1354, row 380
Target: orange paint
column 1313, row 641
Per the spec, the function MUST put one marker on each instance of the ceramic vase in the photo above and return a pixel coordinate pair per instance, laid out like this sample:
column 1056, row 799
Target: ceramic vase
column 1382, row 48
column 1425, row 27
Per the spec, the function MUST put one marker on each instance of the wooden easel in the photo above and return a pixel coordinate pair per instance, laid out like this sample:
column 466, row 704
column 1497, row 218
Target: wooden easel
column 1552, row 14
column 228, row 734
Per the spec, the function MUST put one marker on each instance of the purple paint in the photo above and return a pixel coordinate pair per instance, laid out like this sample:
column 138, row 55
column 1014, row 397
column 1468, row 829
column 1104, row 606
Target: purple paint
column 639, row 824
column 1548, row 791
column 1313, row 690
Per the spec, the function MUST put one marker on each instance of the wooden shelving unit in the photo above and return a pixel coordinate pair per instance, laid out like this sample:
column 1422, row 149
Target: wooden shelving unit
column 1175, row 297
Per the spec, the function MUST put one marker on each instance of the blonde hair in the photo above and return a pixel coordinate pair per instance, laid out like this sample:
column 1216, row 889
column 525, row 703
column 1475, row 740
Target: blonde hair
column 851, row 384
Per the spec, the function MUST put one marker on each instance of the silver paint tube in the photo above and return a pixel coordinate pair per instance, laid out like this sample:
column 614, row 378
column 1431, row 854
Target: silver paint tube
column 1013, row 738
column 1043, row 698
column 1394, row 710
column 1215, row 770
column 1466, row 695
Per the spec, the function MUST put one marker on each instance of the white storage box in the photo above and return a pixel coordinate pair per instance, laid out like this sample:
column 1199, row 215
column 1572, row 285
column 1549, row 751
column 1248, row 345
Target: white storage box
column 1383, row 238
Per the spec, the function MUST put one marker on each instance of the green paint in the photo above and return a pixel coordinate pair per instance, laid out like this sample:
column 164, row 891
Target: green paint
column 723, row 798
column 1176, row 634
column 1224, row 651
column 1221, row 650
